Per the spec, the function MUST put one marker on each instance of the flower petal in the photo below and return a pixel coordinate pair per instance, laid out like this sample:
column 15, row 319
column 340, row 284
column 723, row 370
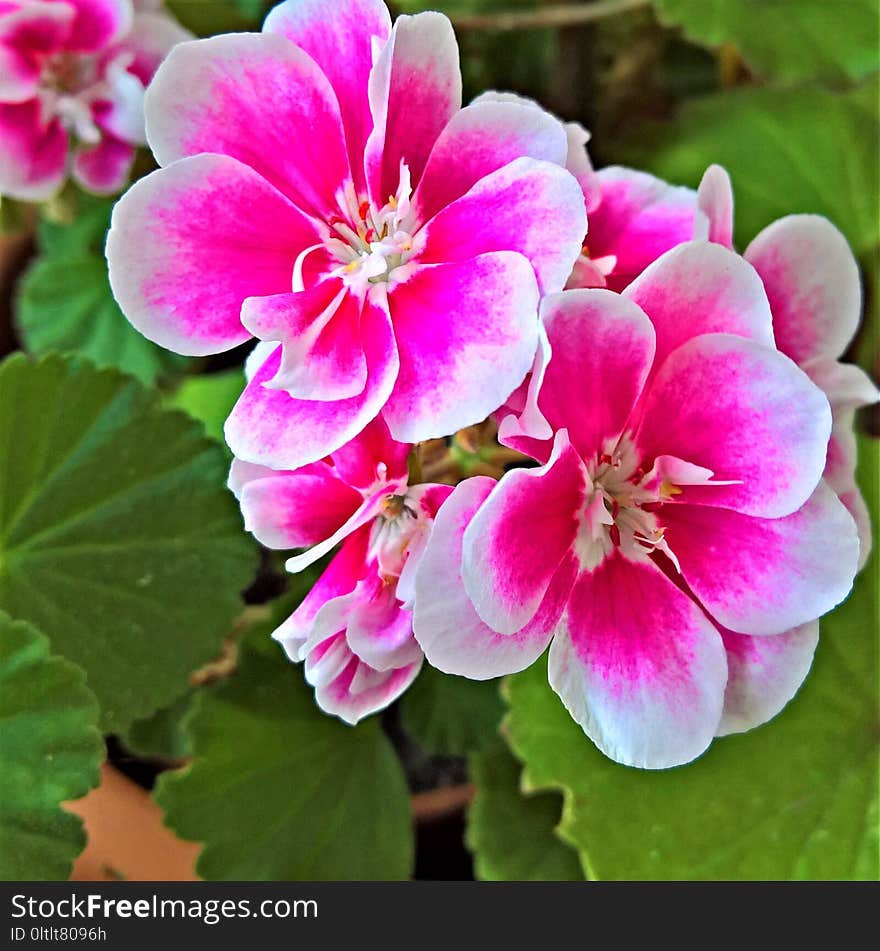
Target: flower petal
column 372, row 456
column 701, row 288
column 251, row 96
column 287, row 510
column 105, row 168
column 33, row 154
column 715, row 207
column 415, row 89
column 763, row 674
column 153, row 35
column 319, row 329
column 446, row 625
column 466, row 333
column 269, row 427
column 341, row 43
column 765, row 575
column 520, row 536
column 379, row 629
column 190, row 242
column 338, row 579
column 746, row 413
column 97, row 23
column 528, row 206
column 481, row 139
column 812, row 282
column 639, row 666
column 638, row 219
column 603, row 348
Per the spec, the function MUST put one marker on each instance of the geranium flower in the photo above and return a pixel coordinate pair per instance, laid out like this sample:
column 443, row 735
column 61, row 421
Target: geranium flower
column 812, row 280
column 676, row 542
column 354, row 628
column 324, row 190
column 72, row 80
column 633, row 217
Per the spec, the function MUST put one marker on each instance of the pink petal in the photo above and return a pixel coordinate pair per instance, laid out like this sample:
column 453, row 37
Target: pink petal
column 373, row 455
column 603, row 347
column 357, row 691
column 639, row 666
column 765, row 575
column 259, row 99
column 746, row 413
column 19, row 73
column 338, row 579
column 34, row 29
column 638, row 219
column 105, row 168
column 297, row 509
column 812, row 282
column 466, row 333
column 701, row 288
column 33, row 154
column 97, row 23
column 481, row 139
column 270, row 427
column 763, row 674
column 341, row 43
column 579, row 164
column 528, row 206
column 414, row 90
column 379, row 629
column 446, row 625
column 319, row 328
column 521, row 424
column 715, row 207
column 153, row 35
column 190, row 242
column 520, row 537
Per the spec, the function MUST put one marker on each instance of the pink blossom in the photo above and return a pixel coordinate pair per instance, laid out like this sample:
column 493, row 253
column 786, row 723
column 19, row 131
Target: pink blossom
column 72, row 80
column 322, row 189
column 812, row 282
column 676, row 542
column 354, row 628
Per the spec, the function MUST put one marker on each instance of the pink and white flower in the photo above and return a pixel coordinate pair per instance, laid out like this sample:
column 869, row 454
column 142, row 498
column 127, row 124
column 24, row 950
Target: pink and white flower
column 324, row 190
column 812, row 281
column 72, row 81
column 353, row 630
column 633, row 217
column 676, row 542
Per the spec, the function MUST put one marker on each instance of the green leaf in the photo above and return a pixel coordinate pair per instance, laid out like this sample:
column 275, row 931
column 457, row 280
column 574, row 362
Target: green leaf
column 786, row 40
column 793, row 799
column 117, row 536
column 210, row 17
column 209, row 398
column 511, row 833
column 50, row 748
column 64, row 301
column 451, row 716
column 161, row 736
column 279, row 791
column 788, row 152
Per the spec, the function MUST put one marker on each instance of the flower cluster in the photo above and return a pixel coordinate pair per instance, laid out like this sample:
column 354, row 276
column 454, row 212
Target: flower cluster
column 672, row 522
column 72, row 81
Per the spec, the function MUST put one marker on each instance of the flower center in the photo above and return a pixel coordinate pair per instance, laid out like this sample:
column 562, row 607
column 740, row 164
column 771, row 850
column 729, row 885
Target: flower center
column 621, row 510
column 392, row 533
column 369, row 242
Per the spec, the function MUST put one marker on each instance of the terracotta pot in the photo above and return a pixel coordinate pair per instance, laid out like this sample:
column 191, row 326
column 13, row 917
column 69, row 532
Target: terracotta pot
column 127, row 839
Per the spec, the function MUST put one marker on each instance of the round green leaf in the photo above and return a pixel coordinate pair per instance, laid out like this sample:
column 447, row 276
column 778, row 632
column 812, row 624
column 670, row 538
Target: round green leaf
column 65, row 303
column 449, row 715
column 788, row 152
column 209, row 398
column 50, row 748
column 117, row 536
column 278, row 791
column 786, row 40
column 511, row 834
column 793, row 799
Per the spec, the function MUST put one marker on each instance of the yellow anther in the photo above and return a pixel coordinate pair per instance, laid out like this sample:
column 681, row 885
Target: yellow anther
column 392, row 200
column 350, row 267
column 669, row 489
